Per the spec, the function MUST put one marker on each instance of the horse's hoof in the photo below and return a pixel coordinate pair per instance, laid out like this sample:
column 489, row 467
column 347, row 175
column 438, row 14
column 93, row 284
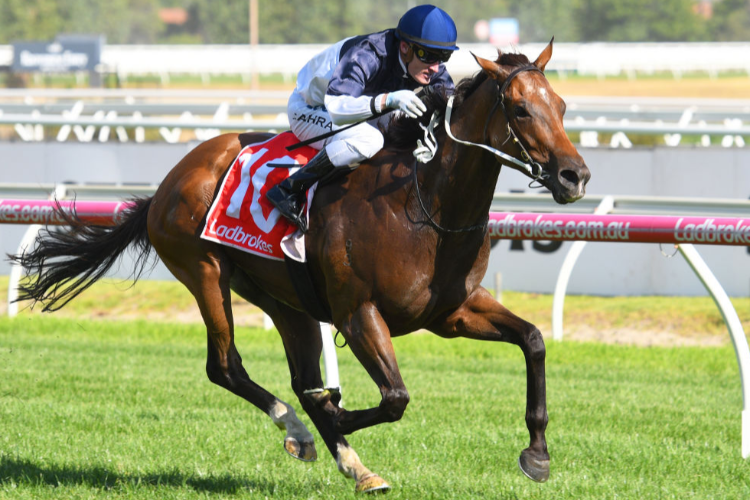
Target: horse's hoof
column 536, row 470
column 372, row 483
column 301, row 451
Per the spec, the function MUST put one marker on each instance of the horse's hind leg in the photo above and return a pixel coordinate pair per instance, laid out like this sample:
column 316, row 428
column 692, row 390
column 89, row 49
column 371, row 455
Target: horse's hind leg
column 208, row 279
column 301, row 336
column 481, row 317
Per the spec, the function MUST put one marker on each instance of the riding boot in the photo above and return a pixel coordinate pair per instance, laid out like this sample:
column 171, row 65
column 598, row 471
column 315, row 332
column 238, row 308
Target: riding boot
column 289, row 195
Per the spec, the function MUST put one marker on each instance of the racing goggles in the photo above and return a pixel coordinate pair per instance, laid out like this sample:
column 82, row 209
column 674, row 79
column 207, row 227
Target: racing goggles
column 428, row 56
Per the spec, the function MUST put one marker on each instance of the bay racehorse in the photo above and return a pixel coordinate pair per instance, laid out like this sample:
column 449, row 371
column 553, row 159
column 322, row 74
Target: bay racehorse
column 393, row 247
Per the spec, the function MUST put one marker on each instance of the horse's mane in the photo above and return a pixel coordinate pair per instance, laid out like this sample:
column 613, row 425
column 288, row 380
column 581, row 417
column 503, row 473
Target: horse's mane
column 402, row 132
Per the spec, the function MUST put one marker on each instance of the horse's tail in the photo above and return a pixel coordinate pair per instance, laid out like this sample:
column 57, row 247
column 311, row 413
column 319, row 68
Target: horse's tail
column 66, row 262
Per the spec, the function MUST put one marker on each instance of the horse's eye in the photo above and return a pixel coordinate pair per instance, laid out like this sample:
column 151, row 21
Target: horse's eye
column 521, row 112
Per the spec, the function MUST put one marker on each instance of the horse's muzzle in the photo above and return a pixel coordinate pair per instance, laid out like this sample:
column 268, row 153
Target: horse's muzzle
column 571, row 181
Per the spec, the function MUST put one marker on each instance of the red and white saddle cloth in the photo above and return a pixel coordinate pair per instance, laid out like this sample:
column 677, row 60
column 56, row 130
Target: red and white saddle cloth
column 242, row 217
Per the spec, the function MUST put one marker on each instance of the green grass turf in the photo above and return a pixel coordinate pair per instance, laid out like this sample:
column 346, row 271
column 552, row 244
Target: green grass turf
column 117, row 409
column 164, row 300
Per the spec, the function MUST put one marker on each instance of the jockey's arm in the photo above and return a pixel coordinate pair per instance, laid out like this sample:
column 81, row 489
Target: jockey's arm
column 346, row 103
column 345, row 99
column 346, row 109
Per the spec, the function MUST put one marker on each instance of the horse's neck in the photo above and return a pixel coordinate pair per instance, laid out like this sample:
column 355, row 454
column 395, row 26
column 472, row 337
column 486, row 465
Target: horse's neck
column 462, row 182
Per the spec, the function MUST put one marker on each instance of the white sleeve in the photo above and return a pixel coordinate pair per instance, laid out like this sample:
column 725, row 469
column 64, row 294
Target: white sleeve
column 346, row 109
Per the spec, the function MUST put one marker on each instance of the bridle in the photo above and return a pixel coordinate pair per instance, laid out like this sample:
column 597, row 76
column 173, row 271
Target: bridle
column 530, row 167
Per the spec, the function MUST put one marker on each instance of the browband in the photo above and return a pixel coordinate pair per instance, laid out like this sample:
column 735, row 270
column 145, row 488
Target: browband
column 514, row 73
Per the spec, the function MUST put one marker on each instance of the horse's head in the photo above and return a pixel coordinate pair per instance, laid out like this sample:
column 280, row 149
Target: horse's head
column 527, row 121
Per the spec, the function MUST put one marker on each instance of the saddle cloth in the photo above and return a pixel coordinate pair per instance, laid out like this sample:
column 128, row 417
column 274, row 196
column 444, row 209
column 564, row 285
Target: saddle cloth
column 242, row 217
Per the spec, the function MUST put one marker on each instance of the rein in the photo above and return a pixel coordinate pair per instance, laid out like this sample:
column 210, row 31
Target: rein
column 425, row 152
column 482, row 226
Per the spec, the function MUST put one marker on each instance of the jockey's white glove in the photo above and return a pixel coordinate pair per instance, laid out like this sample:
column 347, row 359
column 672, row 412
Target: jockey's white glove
column 407, row 101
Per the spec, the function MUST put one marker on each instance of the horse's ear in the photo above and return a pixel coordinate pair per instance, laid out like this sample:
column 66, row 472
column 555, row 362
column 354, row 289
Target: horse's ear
column 491, row 67
column 545, row 56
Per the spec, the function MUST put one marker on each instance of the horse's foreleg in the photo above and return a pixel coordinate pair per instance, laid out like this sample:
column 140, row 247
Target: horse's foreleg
column 369, row 339
column 481, row 317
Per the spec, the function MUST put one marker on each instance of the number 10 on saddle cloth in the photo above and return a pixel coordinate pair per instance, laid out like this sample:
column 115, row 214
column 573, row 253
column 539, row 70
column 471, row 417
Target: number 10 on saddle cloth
column 240, row 216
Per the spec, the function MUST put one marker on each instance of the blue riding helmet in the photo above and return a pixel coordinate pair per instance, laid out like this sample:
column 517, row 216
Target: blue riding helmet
column 428, row 26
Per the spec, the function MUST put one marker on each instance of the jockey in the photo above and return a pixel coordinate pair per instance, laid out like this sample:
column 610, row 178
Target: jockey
column 355, row 80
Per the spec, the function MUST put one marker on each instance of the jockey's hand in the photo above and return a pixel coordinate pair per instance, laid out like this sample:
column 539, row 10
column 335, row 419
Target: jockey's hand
column 407, row 101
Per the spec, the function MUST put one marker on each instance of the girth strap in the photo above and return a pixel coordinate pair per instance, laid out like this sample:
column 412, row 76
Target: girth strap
column 299, row 274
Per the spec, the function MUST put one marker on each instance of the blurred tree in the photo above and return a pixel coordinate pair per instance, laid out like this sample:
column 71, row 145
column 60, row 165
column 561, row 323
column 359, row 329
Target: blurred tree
column 731, row 21
column 28, row 20
column 540, row 20
column 221, row 22
column 142, row 20
column 302, row 21
column 638, row 21
column 326, row 21
column 79, row 16
column 122, row 21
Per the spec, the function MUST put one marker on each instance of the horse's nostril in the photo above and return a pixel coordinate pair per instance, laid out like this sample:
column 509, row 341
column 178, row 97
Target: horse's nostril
column 570, row 176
